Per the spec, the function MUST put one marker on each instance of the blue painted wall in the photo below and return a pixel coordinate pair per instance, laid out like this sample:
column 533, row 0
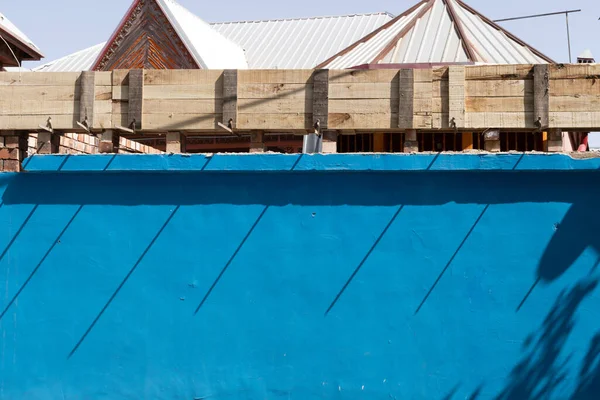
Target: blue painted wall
column 267, row 277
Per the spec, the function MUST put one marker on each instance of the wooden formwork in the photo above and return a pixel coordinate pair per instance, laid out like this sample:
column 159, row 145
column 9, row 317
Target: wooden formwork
column 459, row 98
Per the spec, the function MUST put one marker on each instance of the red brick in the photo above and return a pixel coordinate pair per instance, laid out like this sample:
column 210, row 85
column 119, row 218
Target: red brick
column 9, row 154
column 12, row 166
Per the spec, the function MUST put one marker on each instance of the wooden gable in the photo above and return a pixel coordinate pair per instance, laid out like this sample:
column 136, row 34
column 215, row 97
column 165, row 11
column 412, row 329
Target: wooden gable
column 145, row 39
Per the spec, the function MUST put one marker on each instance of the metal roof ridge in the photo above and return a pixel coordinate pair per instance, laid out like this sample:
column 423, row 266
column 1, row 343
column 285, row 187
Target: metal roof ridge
column 256, row 21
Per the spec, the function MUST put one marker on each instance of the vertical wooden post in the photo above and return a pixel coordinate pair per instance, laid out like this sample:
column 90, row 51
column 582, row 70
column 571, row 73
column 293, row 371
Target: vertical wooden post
column 257, row 143
column 467, row 141
column 136, row 97
column 541, row 96
column 109, row 142
column 456, row 84
column 411, row 144
column 321, row 98
column 407, row 91
column 48, row 143
column 378, row 142
column 176, row 143
column 555, row 141
column 329, row 145
column 87, row 97
column 230, row 97
column 545, row 140
column 492, row 141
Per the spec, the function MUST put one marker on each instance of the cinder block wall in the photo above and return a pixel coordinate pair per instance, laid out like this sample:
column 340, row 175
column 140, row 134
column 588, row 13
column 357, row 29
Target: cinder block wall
column 309, row 277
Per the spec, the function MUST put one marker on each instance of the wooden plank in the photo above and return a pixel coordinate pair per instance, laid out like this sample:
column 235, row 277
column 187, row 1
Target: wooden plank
column 406, row 91
column 283, row 106
column 577, row 103
column 87, row 97
column 296, row 76
column 321, row 98
column 274, row 90
column 230, row 97
column 574, row 87
column 39, row 79
column 457, row 96
column 574, row 71
column 575, row 120
column 363, row 106
column 32, row 122
column 541, row 95
column 363, row 90
column 176, row 122
column 47, row 93
column 505, row 88
column 275, row 121
column 39, row 107
column 136, row 98
column 499, row 72
column 499, row 104
column 363, row 121
column 363, row 76
column 190, row 77
column 103, row 92
column 523, row 120
column 467, row 141
column 178, row 106
column 378, row 142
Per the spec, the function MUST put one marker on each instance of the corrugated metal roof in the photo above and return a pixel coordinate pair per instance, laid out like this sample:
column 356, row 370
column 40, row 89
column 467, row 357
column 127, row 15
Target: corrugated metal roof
column 210, row 49
column 438, row 31
column 298, row 43
column 7, row 26
column 80, row 61
column 286, row 43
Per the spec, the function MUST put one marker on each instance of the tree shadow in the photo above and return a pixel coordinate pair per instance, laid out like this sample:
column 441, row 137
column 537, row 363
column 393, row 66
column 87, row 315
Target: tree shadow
column 542, row 369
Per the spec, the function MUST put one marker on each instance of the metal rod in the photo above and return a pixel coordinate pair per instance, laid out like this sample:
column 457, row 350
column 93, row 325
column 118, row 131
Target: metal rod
column 568, row 37
column 537, row 15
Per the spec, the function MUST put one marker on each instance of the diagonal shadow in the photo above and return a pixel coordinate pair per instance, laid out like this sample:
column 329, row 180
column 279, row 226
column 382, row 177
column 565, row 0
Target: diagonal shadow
column 131, row 271
column 37, row 267
column 522, row 303
column 110, row 162
column 364, row 260
column 451, row 259
column 207, row 295
column 16, row 236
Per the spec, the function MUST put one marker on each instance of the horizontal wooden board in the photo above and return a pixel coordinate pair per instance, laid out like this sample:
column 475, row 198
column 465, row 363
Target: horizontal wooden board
column 201, row 91
column 575, row 103
column 182, row 77
column 268, row 106
column 32, row 122
column 499, row 104
column 363, row 91
column 175, row 122
column 103, row 92
column 504, row 88
column 440, row 120
column 499, row 72
column 178, row 106
column 574, row 87
column 275, row 76
column 274, row 90
column 571, row 71
column 363, row 76
column 363, row 120
column 274, row 121
column 39, row 107
column 379, row 106
column 39, row 79
column 48, row 93
column 574, row 119
column 440, row 89
column 483, row 120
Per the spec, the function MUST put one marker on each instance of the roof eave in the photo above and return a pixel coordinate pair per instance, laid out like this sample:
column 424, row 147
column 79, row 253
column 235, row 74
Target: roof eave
column 33, row 53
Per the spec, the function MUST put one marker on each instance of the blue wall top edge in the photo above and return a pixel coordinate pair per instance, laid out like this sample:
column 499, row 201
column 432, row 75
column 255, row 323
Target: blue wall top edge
column 308, row 162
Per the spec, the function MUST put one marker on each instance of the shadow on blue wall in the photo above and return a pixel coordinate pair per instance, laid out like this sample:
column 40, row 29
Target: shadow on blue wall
column 540, row 372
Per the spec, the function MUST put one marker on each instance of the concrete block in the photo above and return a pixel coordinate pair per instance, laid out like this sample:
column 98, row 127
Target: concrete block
column 411, row 146
column 12, row 166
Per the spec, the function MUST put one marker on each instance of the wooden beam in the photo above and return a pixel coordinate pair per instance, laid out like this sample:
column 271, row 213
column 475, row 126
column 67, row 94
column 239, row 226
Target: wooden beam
column 321, row 99
column 541, row 96
column 87, row 98
column 456, row 97
column 136, row 98
column 230, row 97
column 378, row 142
column 467, row 141
column 407, row 91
